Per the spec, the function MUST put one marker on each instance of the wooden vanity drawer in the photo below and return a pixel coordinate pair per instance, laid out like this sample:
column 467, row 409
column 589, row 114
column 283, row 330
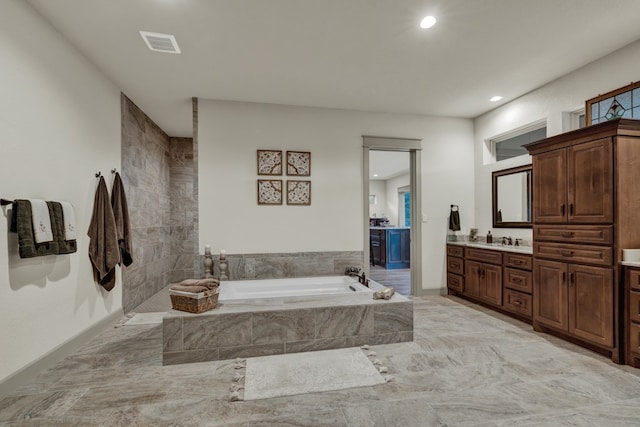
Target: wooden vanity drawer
column 455, row 282
column 634, row 306
column 599, row 235
column 634, row 278
column 488, row 256
column 634, row 338
column 573, row 253
column 517, row 302
column 524, row 262
column 518, row 279
column 455, row 265
column 457, row 251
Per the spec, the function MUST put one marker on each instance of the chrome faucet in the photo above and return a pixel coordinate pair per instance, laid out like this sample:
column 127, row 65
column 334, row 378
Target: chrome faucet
column 357, row 272
column 510, row 241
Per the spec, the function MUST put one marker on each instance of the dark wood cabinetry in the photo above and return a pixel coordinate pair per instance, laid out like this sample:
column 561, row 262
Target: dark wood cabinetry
column 632, row 315
column 497, row 278
column 585, row 210
column 390, row 247
column 578, row 184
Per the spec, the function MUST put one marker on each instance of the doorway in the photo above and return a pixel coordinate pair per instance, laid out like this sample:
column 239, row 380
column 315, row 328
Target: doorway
column 391, row 205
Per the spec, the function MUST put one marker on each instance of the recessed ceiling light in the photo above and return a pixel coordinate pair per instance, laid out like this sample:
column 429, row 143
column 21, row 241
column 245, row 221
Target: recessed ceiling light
column 495, row 98
column 159, row 42
column 375, row 175
column 428, row 22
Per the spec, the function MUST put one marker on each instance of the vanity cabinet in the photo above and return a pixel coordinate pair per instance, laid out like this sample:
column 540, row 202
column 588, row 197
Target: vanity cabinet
column 495, row 277
column 632, row 314
column 585, row 211
column 483, row 275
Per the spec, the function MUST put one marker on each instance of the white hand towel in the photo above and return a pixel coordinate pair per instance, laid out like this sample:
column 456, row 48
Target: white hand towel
column 42, row 231
column 69, row 219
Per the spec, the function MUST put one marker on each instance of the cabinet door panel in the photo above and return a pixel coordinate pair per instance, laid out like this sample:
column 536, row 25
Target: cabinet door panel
column 590, row 182
column 550, row 294
column 550, row 187
column 472, row 278
column 591, row 303
column 491, row 284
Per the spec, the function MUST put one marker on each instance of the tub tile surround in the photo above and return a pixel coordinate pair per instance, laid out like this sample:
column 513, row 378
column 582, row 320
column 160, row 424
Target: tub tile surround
column 282, row 265
column 285, row 326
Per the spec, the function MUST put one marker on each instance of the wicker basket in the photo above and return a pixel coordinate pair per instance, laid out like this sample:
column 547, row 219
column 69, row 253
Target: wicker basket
column 194, row 303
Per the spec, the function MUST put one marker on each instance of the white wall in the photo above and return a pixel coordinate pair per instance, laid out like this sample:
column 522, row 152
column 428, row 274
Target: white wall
column 552, row 103
column 379, row 188
column 59, row 124
column 231, row 132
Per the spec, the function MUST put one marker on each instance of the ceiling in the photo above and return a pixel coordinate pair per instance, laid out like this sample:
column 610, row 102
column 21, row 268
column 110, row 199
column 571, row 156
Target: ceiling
column 367, row 55
column 385, row 165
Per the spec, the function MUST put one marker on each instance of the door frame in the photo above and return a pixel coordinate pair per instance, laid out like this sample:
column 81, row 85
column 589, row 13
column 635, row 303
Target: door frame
column 414, row 148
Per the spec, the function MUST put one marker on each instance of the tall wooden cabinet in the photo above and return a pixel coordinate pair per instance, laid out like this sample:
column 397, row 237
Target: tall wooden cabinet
column 586, row 209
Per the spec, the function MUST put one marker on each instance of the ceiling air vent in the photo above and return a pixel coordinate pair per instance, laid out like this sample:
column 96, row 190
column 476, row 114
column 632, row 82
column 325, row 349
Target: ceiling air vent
column 160, row 42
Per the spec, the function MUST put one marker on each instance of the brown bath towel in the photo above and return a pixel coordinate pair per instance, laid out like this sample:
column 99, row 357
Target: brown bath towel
column 123, row 225
column 196, row 285
column 103, row 246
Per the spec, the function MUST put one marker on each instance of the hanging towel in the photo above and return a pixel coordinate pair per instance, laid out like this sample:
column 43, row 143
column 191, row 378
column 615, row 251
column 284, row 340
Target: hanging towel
column 41, row 221
column 123, row 226
column 454, row 219
column 103, row 245
column 64, row 245
column 68, row 221
column 22, row 223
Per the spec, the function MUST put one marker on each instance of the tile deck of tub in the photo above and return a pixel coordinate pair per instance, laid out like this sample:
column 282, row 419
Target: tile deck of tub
column 279, row 326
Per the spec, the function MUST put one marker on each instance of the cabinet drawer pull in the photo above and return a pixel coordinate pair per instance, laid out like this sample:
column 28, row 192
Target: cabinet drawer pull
column 566, row 253
column 516, row 280
column 570, row 278
column 571, row 209
column 562, row 209
column 517, row 302
column 567, row 234
column 564, row 277
column 517, row 261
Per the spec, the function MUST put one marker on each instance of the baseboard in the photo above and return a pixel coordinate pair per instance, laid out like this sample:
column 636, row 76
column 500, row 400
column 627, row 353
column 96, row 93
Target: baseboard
column 432, row 292
column 23, row 375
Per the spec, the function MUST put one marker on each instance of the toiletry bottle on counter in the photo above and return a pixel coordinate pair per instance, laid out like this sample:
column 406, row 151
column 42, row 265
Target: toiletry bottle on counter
column 489, row 238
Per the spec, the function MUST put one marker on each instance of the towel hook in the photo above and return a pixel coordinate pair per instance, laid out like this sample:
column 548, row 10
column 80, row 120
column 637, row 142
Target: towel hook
column 98, row 174
column 5, row 202
column 113, row 170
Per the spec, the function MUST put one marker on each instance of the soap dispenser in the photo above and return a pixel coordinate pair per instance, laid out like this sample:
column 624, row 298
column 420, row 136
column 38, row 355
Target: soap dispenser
column 489, row 238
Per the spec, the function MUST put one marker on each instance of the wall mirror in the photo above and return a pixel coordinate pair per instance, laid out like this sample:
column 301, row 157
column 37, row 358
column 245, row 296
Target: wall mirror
column 512, row 197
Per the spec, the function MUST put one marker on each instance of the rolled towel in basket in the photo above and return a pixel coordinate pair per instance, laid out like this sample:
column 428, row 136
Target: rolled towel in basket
column 190, row 289
column 196, row 285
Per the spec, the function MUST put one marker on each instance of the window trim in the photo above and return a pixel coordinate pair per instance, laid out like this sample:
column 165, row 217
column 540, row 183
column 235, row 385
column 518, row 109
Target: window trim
column 530, row 127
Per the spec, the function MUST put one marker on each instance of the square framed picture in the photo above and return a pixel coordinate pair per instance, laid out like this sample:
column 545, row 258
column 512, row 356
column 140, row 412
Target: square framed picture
column 269, row 162
column 269, row 191
column 298, row 193
column 298, row 163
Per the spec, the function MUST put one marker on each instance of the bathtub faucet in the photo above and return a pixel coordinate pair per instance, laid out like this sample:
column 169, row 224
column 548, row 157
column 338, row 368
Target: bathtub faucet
column 357, row 272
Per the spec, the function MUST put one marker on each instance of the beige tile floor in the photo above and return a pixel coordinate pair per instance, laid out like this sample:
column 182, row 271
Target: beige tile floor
column 467, row 366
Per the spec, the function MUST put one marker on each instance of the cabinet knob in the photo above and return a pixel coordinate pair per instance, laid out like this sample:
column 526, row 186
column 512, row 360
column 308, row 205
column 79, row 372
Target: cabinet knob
column 566, row 253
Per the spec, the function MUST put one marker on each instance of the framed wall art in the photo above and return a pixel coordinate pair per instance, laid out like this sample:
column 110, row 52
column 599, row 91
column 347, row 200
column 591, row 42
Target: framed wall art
column 269, row 162
column 269, row 192
column 298, row 163
column 298, row 193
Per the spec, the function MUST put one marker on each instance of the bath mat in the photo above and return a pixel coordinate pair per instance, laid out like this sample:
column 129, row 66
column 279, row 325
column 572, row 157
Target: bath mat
column 298, row 373
column 146, row 319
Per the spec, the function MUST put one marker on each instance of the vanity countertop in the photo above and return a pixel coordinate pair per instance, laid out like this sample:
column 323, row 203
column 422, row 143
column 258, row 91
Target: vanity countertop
column 631, row 263
column 496, row 247
column 388, row 228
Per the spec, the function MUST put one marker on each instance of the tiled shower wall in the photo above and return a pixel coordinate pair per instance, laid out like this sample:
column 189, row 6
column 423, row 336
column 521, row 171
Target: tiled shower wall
column 158, row 175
